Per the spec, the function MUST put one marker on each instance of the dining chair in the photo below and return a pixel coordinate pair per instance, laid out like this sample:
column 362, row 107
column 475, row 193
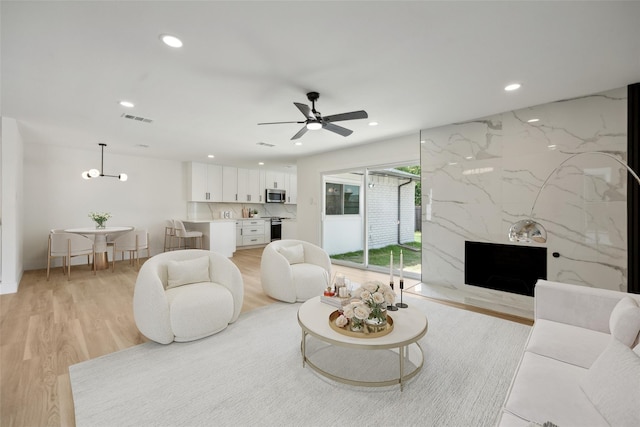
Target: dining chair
column 169, row 235
column 132, row 242
column 61, row 230
column 182, row 235
column 66, row 246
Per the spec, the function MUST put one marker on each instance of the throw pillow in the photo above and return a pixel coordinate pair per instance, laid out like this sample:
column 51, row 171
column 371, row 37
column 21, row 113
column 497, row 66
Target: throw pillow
column 624, row 322
column 612, row 384
column 294, row 254
column 188, row 271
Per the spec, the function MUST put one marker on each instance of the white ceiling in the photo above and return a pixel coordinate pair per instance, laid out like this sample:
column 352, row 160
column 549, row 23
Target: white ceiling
column 410, row 65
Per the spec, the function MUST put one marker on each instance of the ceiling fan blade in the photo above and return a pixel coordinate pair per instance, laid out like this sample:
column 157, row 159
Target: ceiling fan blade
column 300, row 132
column 304, row 109
column 278, row 123
column 337, row 129
column 347, row 116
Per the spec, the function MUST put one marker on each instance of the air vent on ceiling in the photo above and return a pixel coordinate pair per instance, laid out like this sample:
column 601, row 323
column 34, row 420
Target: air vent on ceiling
column 265, row 144
column 136, row 118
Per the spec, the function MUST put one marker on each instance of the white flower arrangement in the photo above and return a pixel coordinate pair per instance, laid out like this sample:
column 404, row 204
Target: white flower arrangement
column 99, row 218
column 371, row 301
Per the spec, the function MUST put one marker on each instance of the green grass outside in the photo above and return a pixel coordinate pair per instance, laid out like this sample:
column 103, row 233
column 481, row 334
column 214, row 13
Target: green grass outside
column 380, row 257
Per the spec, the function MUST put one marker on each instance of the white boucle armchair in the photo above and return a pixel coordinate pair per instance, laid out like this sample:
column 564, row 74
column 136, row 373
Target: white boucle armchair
column 294, row 270
column 166, row 310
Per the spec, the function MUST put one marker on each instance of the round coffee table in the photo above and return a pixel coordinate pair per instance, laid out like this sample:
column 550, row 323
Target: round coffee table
column 409, row 325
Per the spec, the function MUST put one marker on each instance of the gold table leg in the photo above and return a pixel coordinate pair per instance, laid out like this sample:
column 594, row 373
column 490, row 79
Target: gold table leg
column 101, row 261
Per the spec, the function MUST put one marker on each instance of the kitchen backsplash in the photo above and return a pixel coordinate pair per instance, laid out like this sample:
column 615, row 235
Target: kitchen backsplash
column 199, row 210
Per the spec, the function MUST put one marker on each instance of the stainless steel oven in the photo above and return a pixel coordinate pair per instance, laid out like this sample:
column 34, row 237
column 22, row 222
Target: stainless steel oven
column 276, row 228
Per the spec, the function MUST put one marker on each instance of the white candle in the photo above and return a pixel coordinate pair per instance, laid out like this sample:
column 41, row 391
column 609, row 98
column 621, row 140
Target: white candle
column 401, row 264
column 391, row 267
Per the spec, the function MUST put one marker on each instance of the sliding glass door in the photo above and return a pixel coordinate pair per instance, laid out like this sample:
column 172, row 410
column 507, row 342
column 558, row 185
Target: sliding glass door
column 371, row 213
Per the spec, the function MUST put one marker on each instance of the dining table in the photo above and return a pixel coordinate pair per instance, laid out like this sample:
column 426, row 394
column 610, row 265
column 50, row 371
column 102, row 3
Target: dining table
column 101, row 259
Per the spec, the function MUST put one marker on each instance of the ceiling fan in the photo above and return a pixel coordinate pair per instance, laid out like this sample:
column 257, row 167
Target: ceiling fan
column 314, row 120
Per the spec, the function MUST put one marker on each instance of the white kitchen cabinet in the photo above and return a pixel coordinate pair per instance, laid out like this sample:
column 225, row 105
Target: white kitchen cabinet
column 262, row 186
column 204, row 182
column 230, row 184
column 243, row 185
column 275, row 179
column 291, row 187
column 251, row 232
column 239, row 233
column 255, row 178
column 250, row 182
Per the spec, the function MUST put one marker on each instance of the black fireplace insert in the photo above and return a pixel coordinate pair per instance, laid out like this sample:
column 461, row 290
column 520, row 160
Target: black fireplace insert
column 509, row 268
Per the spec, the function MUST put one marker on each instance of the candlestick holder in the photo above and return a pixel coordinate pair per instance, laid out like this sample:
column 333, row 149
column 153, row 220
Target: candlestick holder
column 401, row 304
column 391, row 307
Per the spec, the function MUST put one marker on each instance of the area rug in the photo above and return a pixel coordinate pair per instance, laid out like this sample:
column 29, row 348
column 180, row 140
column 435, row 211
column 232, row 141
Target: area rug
column 251, row 373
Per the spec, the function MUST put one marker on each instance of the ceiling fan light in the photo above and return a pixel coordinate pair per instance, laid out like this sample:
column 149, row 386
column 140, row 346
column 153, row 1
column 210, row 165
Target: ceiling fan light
column 123, row 177
column 85, row 175
column 93, row 173
column 314, row 125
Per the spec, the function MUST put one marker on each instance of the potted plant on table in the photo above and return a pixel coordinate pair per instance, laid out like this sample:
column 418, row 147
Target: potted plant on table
column 100, row 218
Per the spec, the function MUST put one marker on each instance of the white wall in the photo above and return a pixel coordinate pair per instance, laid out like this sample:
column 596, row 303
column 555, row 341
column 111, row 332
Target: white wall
column 12, row 206
column 400, row 150
column 56, row 196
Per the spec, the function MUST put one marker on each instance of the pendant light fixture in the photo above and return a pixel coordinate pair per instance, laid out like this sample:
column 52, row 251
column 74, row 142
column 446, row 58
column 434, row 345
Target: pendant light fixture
column 94, row 173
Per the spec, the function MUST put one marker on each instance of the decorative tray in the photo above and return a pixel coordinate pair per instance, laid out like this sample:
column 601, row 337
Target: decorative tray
column 363, row 334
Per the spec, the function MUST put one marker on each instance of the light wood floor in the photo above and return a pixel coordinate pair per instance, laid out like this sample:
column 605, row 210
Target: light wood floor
column 48, row 326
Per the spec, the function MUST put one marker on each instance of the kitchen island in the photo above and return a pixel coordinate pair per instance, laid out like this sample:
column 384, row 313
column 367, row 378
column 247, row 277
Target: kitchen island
column 219, row 235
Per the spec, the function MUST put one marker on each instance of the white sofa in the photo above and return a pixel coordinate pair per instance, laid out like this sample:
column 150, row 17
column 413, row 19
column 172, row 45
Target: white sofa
column 575, row 369
column 186, row 295
column 294, row 270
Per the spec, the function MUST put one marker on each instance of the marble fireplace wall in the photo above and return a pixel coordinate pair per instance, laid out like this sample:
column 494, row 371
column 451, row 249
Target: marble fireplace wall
column 480, row 176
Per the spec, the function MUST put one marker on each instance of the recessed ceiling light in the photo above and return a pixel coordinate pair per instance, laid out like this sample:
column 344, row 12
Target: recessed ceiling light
column 171, row 41
column 422, row 141
column 552, row 146
column 512, row 86
column 453, row 163
column 297, row 143
column 373, row 123
column 127, row 104
column 469, row 157
column 533, row 120
column 261, row 163
column 211, row 156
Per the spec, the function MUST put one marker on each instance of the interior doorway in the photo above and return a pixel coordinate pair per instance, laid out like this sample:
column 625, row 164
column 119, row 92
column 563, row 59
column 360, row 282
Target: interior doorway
column 371, row 214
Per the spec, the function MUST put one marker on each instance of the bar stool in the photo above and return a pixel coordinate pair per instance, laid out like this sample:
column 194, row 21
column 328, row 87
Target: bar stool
column 182, row 235
column 169, row 235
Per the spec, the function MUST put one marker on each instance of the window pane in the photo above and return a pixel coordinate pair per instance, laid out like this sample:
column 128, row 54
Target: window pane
column 333, row 196
column 351, row 199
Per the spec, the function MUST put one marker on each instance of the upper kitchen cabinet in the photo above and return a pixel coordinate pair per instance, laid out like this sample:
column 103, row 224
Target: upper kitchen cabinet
column 230, row 185
column 204, row 182
column 291, row 188
column 275, row 180
column 251, row 185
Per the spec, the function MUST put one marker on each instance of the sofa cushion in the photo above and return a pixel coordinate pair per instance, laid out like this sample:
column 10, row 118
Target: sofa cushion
column 566, row 343
column 547, row 390
column 191, row 313
column 613, row 385
column 624, row 322
column 188, row 271
column 294, row 254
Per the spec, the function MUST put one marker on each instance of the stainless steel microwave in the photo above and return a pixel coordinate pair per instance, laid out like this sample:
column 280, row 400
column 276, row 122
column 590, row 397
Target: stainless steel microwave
column 275, row 196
